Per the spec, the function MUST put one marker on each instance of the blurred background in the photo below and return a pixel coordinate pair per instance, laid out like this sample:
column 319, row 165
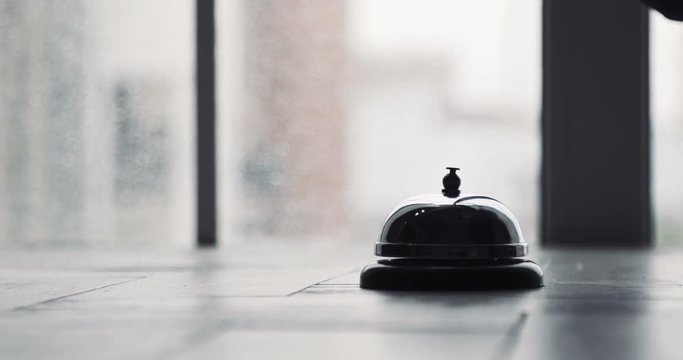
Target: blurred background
column 330, row 113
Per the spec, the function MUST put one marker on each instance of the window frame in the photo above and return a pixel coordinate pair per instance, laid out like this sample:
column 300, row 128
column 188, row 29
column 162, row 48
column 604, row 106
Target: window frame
column 595, row 178
column 205, row 67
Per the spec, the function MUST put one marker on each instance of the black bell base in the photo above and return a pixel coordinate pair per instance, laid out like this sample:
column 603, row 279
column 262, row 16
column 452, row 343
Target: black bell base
column 445, row 275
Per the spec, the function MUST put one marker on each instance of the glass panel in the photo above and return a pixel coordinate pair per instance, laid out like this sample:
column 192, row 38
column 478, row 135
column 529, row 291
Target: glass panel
column 666, row 54
column 96, row 114
column 332, row 112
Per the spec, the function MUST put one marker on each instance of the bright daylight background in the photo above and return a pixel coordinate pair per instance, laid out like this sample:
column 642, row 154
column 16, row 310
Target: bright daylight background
column 330, row 113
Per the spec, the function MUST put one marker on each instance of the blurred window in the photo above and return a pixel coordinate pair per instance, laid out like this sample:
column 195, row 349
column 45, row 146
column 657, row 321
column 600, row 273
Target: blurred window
column 331, row 112
column 666, row 79
column 96, row 122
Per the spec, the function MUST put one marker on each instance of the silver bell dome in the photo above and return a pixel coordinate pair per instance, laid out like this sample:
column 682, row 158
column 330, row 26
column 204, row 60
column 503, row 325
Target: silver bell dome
column 451, row 226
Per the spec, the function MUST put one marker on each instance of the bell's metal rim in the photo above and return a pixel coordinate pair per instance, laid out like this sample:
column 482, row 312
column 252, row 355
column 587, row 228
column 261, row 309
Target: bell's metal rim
column 447, row 251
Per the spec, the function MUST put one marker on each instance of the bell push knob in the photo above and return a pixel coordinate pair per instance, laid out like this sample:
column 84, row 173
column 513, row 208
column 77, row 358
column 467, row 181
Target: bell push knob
column 451, row 183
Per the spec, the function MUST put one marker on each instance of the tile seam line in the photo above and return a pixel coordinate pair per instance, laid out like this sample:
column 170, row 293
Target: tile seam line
column 320, row 282
column 507, row 348
column 58, row 298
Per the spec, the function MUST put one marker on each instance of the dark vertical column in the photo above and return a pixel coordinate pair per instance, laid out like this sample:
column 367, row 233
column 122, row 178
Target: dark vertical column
column 206, row 123
column 596, row 151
